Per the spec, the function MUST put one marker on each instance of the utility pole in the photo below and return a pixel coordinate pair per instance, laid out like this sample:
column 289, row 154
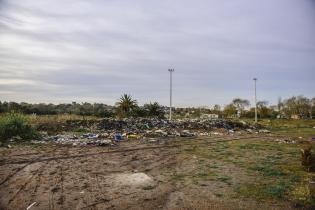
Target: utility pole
column 171, row 71
column 255, row 80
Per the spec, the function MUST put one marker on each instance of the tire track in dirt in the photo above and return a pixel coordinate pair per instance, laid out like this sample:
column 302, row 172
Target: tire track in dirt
column 35, row 160
column 128, row 149
column 56, row 191
column 28, row 181
column 24, row 185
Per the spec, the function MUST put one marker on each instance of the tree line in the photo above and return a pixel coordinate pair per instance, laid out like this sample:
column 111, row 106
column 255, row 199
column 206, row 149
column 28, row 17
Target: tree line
column 126, row 106
column 295, row 106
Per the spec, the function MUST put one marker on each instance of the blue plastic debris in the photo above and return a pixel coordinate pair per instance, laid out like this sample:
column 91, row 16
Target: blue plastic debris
column 118, row 137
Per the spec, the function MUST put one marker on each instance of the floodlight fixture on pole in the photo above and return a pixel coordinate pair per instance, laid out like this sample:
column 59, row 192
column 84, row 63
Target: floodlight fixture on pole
column 255, row 80
column 171, row 71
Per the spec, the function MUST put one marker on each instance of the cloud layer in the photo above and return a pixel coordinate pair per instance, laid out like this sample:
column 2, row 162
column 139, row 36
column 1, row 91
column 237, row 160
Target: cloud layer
column 76, row 50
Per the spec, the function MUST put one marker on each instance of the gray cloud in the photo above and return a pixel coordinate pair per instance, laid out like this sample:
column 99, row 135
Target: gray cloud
column 61, row 51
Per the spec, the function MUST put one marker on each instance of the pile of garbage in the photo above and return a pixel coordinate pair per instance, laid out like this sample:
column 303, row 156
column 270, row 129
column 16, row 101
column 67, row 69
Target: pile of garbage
column 108, row 131
column 140, row 124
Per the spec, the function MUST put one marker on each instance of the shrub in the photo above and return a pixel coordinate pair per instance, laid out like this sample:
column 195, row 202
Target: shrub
column 14, row 124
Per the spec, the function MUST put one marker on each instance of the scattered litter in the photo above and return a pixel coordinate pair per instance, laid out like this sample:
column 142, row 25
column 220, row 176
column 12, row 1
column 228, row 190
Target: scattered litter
column 118, row 137
column 30, row 206
column 263, row 131
column 286, row 141
column 186, row 133
column 249, row 130
column 90, row 136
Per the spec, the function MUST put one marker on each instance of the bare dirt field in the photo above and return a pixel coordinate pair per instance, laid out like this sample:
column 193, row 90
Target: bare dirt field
column 218, row 172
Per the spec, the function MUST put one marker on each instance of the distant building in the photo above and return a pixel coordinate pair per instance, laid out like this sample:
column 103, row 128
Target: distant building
column 295, row 117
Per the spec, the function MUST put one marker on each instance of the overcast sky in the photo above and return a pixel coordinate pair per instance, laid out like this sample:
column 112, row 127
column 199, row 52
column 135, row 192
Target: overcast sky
column 95, row 50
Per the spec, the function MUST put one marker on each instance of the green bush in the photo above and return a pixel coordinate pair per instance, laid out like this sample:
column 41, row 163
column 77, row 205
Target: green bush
column 14, row 125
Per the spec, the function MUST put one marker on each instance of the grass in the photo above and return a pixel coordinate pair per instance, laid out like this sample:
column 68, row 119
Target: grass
column 290, row 127
column 267, row 170
column 148, row 187
column 258, row 191
column 16, row 125
column 81, row 130
column 178, row 177
column 251, row 146
column 214, row 165
column 225, row 179
column 40, row 119
column 277, row 190
column 218, row 195
column 274, row 170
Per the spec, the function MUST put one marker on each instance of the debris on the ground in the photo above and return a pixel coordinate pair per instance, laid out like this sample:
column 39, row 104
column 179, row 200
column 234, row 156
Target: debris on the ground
column 30, row 206
column 118, row 137
column 106, row 131
column 286, row 141
column 263, row 131
column 83, row 140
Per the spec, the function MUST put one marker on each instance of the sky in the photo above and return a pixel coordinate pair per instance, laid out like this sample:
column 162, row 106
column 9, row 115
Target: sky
column 59, row 51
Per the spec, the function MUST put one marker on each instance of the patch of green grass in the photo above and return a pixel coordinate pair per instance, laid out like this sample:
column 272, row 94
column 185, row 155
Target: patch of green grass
column 272, row 158
column 80, row 130
column 276, row 191
column 263, row 191
column 178, row 177
column 295, row 178
column 218, row 195
column 202, row 174
column 213, row 165
column 201, row 161
column 266, row 170
column 225, row 179
column 250, row 146
column 148, row 187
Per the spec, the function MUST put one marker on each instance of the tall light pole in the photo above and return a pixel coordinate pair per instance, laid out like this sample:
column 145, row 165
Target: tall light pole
column 171, row 71
column 255, row 80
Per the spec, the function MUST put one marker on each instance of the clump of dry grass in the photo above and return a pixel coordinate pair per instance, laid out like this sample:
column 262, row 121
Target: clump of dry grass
column 43, row 119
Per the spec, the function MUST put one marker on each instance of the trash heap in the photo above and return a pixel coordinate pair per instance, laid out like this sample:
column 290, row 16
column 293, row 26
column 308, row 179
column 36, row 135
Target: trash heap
column 108, row 131
column 76, row 140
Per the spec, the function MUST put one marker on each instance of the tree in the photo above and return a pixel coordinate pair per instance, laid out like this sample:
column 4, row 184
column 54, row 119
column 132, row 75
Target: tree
column 154, row 110
column 126, row 104
column 240, row 104
column 230, row 110
column 263, row 109
column 297, row 105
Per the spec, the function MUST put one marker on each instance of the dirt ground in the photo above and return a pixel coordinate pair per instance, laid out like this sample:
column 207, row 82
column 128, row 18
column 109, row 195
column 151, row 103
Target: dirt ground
column 187, row 173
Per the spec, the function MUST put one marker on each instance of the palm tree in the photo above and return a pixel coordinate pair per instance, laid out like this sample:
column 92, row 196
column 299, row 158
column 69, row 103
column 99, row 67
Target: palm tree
column 126, row 104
